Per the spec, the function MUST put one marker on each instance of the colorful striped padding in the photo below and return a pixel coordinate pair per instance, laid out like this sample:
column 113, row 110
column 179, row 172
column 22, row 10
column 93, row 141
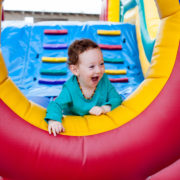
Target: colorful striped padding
column 55, row 32
column 54, row 59
column 51, row 82
column 116, row 80
column 109, row 32
column 53, row 72
column 115, row 72
column 110, row 47
column 113, row 60
column 55, row 46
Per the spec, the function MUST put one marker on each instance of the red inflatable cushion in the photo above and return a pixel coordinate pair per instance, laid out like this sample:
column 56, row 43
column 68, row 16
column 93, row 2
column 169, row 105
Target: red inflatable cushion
column 51, row 31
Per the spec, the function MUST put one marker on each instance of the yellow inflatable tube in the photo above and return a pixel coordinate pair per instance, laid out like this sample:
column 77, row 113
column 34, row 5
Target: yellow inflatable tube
column 113, row 10
column 163, row 60
column 115, row 72
column 152, row 18
column 152, row 22
column 109, row 32
column 54, row 59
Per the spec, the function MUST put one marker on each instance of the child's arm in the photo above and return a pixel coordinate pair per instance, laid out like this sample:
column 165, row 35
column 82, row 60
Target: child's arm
column 54, row 112
column 97, row 110
column 106, row 108
column 55, row 127
column 114, row 99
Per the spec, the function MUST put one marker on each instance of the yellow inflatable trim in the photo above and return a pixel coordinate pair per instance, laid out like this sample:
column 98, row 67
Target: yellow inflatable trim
column 115, row 72
column 4, row 72
column 167, row 7
column 113, row 10
column 54, row 59
column 109, row 32
column 152, row 18
column 163, row 60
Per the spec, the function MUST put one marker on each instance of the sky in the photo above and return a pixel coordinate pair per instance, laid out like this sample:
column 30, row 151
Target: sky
column 73, row 6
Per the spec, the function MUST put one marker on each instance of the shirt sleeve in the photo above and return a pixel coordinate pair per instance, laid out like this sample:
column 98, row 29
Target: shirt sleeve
column 55, row 108
column 113, row 98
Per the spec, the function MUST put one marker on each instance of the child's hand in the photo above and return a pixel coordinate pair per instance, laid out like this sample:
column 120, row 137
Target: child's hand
column 55, row 127
column 96, row 110
column 106, row 108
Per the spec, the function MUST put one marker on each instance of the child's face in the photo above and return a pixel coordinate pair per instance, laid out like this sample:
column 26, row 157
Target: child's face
column 90, row 68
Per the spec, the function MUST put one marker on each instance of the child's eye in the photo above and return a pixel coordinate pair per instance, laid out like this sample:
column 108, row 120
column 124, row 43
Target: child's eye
column 91, row 67
column 102, row 64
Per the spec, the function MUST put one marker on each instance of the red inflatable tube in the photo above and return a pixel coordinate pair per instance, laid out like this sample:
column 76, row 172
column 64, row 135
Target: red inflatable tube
column 136, row 150
column 114, row 80
column 110, row 47
column 171, row 172
column 55, row 32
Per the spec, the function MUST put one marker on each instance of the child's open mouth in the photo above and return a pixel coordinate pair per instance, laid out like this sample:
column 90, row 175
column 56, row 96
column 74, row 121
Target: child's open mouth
column 95, row 78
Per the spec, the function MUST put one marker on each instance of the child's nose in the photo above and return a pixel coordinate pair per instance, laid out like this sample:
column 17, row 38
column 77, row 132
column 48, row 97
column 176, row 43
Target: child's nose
column 98, row 70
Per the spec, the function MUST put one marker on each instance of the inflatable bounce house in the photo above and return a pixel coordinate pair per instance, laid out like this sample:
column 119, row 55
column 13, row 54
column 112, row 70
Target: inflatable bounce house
column 140, row 139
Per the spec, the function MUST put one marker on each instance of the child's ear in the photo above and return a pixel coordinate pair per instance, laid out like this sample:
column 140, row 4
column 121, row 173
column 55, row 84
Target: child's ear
column 74, row 69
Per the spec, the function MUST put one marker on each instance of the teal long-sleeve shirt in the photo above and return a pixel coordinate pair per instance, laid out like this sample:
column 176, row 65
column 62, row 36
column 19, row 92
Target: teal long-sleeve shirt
column 72, row 102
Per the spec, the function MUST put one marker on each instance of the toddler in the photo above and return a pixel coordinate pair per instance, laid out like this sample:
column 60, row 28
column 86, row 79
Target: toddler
column 88, row 91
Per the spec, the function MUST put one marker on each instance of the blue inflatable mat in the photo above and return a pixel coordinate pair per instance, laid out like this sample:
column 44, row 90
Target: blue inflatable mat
column 22, row 47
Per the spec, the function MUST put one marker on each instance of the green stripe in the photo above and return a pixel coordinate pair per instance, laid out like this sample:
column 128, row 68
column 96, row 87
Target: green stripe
column 111, row 60
column 53, row 72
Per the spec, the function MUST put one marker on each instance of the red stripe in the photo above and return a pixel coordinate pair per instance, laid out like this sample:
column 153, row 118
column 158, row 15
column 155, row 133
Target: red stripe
column 119, row 79
column 110, row 47
column 48, row 31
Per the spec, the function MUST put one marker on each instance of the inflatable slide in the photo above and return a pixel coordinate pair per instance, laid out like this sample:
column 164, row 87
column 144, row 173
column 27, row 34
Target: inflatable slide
column 139, row 139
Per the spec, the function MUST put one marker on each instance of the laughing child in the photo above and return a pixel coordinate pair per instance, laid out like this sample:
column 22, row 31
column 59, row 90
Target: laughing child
column 88, row 91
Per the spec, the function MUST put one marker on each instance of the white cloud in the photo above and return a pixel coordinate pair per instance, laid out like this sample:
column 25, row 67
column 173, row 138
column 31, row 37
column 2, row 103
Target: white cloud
column 78, row 6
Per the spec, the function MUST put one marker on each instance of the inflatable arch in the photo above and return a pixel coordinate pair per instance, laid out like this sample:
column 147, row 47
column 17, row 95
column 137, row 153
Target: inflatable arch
column 134, row 141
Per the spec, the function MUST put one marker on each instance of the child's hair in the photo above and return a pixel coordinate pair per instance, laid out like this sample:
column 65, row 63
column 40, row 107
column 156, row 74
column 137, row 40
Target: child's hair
column 78, row 47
